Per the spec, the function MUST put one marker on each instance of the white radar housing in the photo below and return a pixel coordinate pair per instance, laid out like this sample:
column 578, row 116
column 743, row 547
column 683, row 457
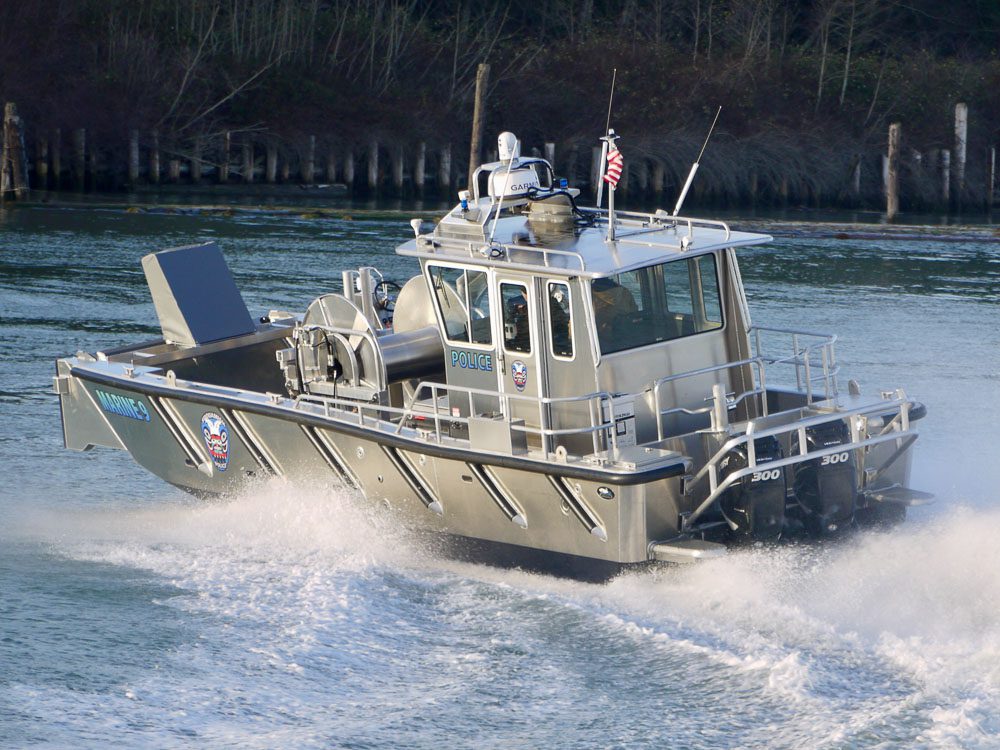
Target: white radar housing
column 507, row 146
column 514, row 183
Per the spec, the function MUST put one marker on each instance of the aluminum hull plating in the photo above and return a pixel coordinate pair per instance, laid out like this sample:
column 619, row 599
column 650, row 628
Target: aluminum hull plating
column 436, row 487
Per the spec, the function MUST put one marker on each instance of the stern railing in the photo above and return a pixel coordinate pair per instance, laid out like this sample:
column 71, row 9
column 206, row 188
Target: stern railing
column 895, row 413
column 812, row 358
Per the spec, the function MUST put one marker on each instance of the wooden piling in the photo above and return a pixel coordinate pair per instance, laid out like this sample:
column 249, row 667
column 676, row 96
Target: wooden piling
column 331, row 166
column 80, row 159
column 595, row 169
column 396, row 158
column 349, row 168
column 14, row 159
column 478, row 119
column 420, row 167
column 892, row 185
column 659, row 177
column 754, row 187
column 571, row 163
column 199, row 148
column 309, row 165
column 991, row 176
column 133, row 157
column 227, row 142
column 174, row 170
column 56, row 158
column 856, row 178
column 247, row 159
column 961, row 139
column 642, row 175
column 550, row 155
column 444, row 169
column 271, row 163
column 373, row 165
column 154, row 158
column 42, row 163
column 285, row 172
column 93, row 168
column 945, row 177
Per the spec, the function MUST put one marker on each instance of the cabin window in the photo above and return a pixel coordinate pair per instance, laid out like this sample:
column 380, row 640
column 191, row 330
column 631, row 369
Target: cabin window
column 516, row 323
column 464, row 303
column 657, row 303
column 560, row 320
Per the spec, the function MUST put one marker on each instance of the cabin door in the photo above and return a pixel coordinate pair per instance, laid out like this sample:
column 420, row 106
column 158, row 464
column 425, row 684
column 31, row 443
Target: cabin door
column 520, row 371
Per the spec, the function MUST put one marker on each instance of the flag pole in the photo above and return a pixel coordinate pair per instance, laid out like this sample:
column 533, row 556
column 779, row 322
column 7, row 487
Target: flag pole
column 609, row 143
column 600, row 172
column 611, row 213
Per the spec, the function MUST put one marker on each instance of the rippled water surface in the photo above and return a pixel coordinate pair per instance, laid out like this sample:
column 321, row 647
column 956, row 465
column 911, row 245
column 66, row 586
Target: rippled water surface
column 133, row 615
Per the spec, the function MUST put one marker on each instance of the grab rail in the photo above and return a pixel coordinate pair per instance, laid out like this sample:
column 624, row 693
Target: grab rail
column 897, row 428
column 801, row 357
column 366, row 411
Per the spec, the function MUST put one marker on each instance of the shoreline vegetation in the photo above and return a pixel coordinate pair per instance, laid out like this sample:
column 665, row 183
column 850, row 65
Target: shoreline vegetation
column 375, row 99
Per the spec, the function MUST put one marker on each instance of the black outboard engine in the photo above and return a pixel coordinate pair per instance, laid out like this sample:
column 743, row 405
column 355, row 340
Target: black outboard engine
column 755, row 504
column 827, row 487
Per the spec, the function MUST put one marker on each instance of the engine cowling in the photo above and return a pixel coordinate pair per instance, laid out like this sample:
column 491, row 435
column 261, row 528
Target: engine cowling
column 754, row 506
column 826, row 488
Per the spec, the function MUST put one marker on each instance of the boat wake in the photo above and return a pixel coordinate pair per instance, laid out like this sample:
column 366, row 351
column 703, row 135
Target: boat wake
column 883, row 638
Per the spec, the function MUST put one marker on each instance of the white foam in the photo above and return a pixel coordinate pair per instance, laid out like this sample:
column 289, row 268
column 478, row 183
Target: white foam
column 882, row 630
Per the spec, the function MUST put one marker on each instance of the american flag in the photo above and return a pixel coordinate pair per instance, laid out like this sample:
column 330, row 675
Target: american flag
column 615, row 164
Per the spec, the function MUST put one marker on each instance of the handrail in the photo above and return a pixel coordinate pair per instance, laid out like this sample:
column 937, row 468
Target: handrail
column 473, row 250
column 801, row 358
column 363, row 411
column 664, row 219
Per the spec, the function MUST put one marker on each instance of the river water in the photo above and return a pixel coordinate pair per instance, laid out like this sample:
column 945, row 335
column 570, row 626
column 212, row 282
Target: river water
column 134, row 615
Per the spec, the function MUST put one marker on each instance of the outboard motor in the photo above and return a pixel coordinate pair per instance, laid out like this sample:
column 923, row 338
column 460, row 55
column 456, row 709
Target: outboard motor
column 755, row 504
column 827, row 487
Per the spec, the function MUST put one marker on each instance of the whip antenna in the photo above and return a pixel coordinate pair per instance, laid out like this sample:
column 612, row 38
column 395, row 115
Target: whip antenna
column 694, row 167
column 604, row 148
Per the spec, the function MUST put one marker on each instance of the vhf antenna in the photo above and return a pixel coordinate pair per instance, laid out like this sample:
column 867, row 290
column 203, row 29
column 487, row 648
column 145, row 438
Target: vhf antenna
column 694, row 167
column 604, row 148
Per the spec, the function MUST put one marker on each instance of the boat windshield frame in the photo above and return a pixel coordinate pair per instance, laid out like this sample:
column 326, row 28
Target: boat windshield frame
column 651, row 305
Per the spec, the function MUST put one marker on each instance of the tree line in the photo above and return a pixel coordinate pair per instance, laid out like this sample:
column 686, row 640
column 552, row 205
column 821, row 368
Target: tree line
column 808, row 88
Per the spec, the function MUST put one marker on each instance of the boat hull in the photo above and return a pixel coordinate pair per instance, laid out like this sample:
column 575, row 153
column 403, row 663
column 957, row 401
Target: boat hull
column 506, row 509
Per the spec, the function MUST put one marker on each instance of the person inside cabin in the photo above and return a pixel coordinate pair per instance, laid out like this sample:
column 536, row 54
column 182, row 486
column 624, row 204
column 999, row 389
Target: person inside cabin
column 517, row 337
column 559, row 320
column 612, row 303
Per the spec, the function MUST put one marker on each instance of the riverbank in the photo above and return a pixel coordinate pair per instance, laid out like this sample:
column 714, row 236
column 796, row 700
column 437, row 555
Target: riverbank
column 816, row 223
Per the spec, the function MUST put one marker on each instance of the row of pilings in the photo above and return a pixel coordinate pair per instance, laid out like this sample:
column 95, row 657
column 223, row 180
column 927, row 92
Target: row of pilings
column 76, row 160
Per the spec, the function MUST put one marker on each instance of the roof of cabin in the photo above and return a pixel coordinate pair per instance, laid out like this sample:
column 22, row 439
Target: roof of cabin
column 560, row 246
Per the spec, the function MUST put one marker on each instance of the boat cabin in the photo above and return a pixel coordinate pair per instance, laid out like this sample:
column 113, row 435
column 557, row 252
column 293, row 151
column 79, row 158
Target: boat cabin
column 545, row 321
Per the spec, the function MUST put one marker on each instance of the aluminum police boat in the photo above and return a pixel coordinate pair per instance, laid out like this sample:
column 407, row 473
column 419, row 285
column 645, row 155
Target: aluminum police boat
column 560, row 387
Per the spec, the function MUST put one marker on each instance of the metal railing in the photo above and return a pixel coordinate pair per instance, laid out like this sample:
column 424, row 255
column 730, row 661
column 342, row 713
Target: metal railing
column 814, row 363
column 896, row 428
column 486, row 254
column 663, row 220
column 807, row 371
column 440, row 413
column 811, row 356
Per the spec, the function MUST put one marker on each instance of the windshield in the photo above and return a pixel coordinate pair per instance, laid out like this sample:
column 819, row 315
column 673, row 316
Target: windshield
column 657, row 303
